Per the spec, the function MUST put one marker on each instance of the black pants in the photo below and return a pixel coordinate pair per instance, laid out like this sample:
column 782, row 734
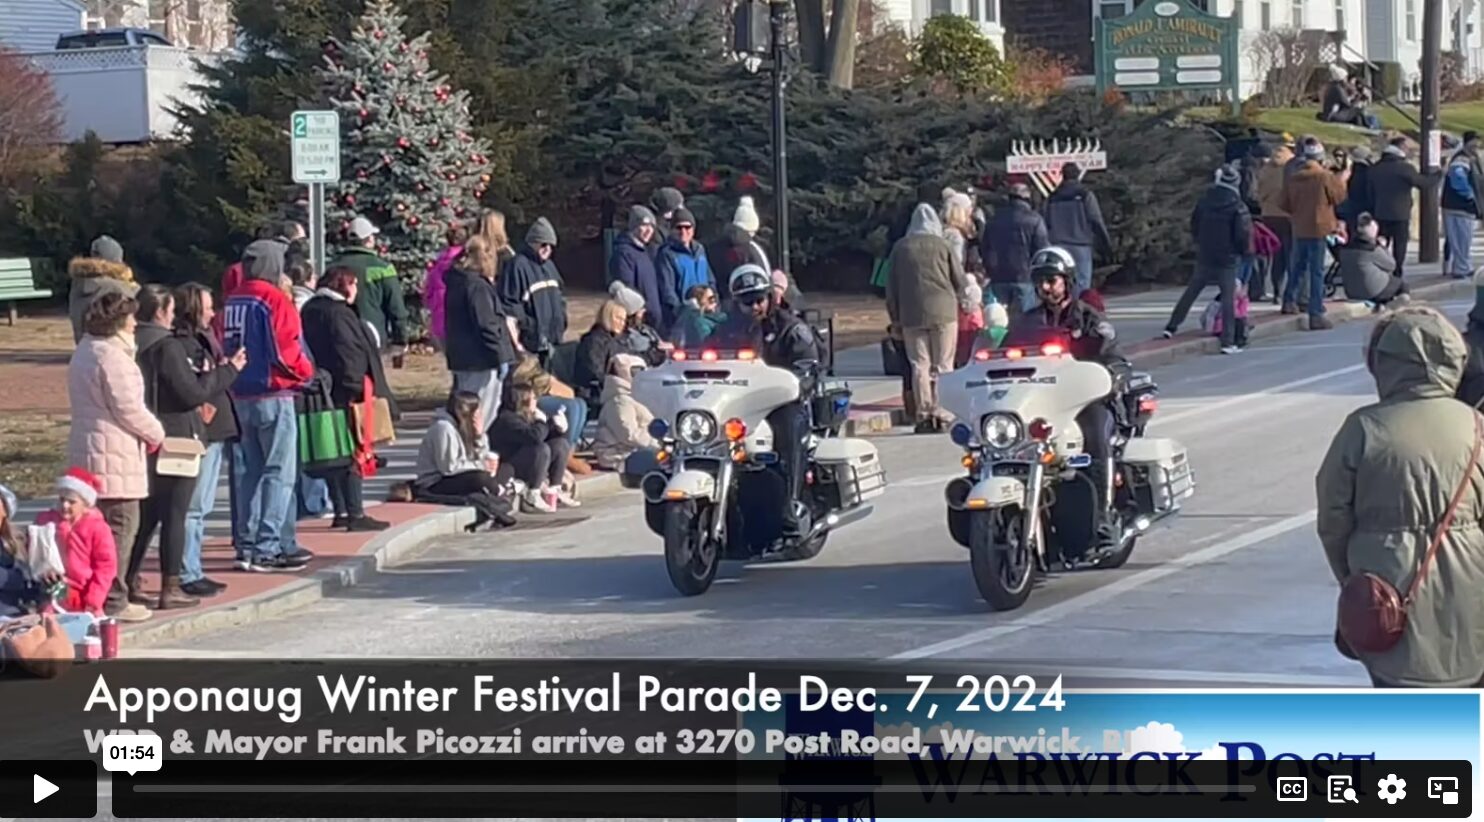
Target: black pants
column 165, row 508
column 1206, row 274
column 1395, row 288
column 1283, row 227
column 1096, row 422
column 542, row 464
column 790, row 426
column 346, row 493
column 1399, row 232
column 472, row 482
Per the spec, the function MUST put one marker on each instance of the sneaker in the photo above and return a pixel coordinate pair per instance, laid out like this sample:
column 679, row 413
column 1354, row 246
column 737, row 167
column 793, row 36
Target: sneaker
column 534, row 502
column 133, row 612
column 201, row 588
column 1231, row 349
column 367, row 524
column 1167, row 334
column 340, row 522
column 273, row 565
column 299, row 557
column 1320, row 323
column 925, row 427
column 566, row 499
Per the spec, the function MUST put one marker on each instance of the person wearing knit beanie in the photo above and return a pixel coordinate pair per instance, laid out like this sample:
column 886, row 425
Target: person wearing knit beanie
column 1222, row 229
column 745, row 217
column 631, row 300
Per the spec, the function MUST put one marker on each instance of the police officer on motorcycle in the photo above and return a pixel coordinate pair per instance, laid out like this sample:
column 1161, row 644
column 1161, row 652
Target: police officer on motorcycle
column 1090, row 338
column 757, row 320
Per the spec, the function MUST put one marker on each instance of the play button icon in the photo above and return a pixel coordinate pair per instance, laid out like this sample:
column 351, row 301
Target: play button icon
column 41, row 788
column 56, row 789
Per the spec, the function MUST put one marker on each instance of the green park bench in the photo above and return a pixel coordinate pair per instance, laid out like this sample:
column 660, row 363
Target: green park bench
column 17, row 283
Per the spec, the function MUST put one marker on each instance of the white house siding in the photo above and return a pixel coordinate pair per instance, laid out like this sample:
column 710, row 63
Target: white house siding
column 34, row 25
column 911, row 15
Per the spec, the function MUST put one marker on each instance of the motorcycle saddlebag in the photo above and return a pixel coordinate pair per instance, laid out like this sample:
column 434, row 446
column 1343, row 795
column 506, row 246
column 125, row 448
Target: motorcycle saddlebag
column 1161, row 473
column 831, row 407
column 848, row 471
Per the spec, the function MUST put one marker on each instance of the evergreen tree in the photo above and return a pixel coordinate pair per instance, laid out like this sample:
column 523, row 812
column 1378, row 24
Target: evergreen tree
column 410, row 160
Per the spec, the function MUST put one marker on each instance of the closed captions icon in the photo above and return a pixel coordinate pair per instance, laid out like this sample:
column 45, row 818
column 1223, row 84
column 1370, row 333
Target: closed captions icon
column 1293, row 789
column 1444, row 788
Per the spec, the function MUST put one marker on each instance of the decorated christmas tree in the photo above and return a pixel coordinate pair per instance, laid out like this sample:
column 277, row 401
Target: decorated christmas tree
column 410, row 162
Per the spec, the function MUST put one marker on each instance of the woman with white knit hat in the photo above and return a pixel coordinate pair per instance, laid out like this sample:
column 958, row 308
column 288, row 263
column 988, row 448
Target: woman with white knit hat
column 740, row 246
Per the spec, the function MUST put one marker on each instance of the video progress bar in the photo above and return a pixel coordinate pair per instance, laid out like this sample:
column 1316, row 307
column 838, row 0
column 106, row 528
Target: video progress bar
column 608, row 789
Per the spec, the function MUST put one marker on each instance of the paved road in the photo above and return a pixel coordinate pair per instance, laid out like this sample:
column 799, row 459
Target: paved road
column 1234, row 592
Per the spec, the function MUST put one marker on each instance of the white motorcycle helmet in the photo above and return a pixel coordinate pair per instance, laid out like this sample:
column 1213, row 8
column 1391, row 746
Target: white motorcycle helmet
column 748, row 280
column 1053, row 261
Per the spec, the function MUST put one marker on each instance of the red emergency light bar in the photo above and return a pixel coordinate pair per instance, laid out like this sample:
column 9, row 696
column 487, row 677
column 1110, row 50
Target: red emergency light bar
column 712, row 355
column 1047, row 350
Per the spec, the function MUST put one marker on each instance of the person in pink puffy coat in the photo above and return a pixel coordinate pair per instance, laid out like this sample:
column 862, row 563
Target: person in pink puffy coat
column 84, row 541
column 435, row 291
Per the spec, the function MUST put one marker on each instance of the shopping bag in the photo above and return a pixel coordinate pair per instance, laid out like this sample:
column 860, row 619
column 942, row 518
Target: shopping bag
column 43, row 556
column 325, row 441
column 379, row 424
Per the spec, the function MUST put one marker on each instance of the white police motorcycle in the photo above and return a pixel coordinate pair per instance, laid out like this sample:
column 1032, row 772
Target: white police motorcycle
column 715, row 489
column 1028, row 498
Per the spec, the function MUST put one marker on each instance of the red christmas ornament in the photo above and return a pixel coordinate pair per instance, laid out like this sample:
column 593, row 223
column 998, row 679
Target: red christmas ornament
column 443, row 201
column 421, row 187
column 403, row 142
column 379, row 34
column 345, row 225
column 465, row 136
column 401, row 99
column 388, row 68
column 350, row 199
column 747, row 182
column 682, row 182
column 386, row 160
column 484, row 178
column 711, row 182
column 361, row 174
column 452, row 176
column 402, row 47
column 413, row 220
column 364, row 114
column 460, row 212
column 401, row 206
column 433, row 142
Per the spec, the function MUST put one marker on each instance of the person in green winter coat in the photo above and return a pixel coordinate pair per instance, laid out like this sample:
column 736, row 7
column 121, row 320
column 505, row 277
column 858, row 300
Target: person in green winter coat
column 378, row 291
column 698, row 318
column 1390, row 475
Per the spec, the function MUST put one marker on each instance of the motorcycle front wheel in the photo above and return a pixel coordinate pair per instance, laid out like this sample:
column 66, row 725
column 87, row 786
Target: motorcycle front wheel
column 691, row 557
column 1004, row 563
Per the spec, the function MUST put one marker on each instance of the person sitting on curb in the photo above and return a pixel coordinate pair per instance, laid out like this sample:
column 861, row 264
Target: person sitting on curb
column 698, row 318
column 21, row 592
column 454, row 464
column 536, row 447
column 1369, row 271
column 623, row 424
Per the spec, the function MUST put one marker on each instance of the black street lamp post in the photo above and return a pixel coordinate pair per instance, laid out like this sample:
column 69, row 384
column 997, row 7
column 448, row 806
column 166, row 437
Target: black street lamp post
column 761, row 28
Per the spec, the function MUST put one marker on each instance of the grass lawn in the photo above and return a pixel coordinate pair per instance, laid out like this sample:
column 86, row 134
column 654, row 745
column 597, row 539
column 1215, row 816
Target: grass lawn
column 1456, row 118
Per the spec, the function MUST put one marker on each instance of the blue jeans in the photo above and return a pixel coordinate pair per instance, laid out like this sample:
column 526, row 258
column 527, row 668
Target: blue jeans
column 313, row 495
column 1458, row 226
column 1308, row 256
column 203, row 502
column 1083, row 255
column 1017, row 298
column 270, row 468
column 1246, row 268
column 576, row 415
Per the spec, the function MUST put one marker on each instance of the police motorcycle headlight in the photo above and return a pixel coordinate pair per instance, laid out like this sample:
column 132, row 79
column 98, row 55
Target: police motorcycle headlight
column 695, row 427
column 1000, row 431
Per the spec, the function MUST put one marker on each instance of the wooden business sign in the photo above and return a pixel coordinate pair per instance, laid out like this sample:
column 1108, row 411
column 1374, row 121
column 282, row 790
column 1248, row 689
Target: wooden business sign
column 1169, row 45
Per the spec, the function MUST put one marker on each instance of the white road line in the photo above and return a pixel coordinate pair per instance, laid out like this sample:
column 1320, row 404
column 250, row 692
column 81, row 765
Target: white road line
column 1114, row 589
column 1257, row 395
column 1278, row 679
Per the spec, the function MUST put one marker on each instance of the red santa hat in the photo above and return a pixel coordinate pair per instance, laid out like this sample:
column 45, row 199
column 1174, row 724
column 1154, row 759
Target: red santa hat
column 81, row 482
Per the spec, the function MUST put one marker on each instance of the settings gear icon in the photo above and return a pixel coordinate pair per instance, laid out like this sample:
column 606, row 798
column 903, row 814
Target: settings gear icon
column 1392, row 789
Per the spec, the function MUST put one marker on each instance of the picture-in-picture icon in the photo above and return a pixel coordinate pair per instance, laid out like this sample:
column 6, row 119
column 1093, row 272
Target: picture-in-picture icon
column 1444, row 788
column 1342, row 789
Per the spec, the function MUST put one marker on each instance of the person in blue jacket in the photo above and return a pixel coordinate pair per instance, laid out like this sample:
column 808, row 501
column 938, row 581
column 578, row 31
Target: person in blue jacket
column 632, row 265
column 682, row 264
